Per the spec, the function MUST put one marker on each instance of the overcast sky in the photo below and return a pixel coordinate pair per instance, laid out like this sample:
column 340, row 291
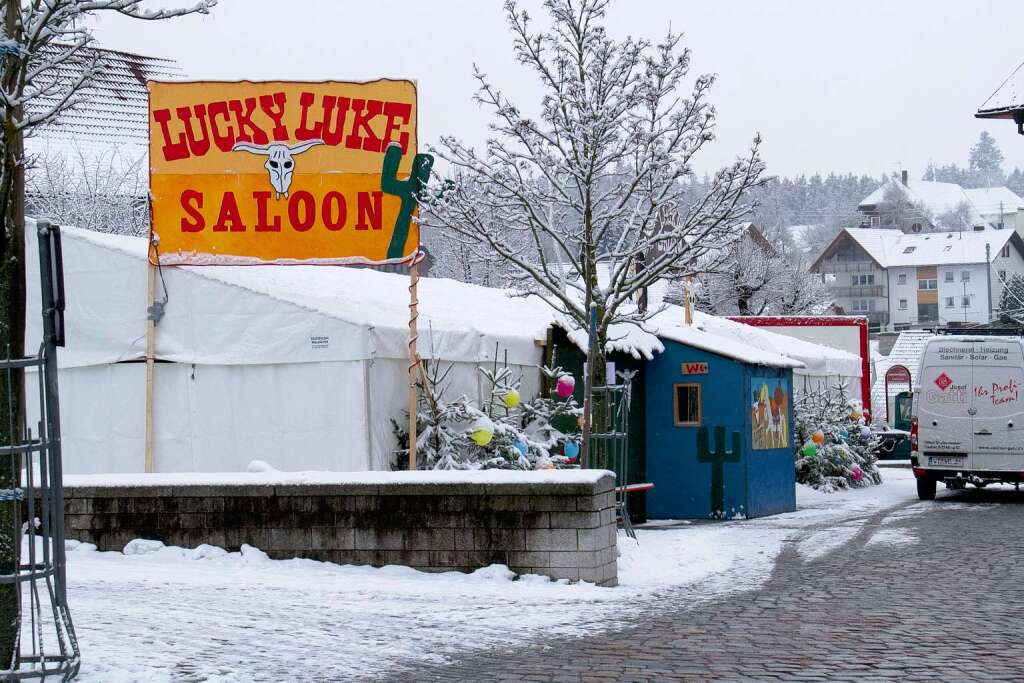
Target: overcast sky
column 843, row 85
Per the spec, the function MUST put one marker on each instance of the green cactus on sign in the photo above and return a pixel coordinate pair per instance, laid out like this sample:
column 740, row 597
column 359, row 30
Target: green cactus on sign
column 718, row 458
column 406, row 190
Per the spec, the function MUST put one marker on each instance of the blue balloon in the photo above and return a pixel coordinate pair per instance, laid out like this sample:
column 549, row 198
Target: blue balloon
column 843, row 434
column 521, row 446
column 572, row 450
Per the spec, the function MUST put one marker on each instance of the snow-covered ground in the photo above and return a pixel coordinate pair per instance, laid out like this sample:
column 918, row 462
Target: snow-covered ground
column 162, row 614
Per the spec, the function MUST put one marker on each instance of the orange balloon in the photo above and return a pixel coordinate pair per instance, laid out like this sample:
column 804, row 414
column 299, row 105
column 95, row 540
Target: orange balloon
column 818, row 437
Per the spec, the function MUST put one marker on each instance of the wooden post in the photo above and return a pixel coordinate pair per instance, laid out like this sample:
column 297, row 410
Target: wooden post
column 150, row 360
column 688, row 296
column 414, row 362
column 588, row 387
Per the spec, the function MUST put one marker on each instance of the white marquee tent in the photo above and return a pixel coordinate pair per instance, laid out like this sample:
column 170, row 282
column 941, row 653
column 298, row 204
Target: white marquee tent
column 299, row 366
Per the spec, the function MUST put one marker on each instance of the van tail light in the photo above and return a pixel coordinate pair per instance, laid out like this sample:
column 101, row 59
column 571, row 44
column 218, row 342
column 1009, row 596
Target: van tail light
column 919, row 472
column 913, row 434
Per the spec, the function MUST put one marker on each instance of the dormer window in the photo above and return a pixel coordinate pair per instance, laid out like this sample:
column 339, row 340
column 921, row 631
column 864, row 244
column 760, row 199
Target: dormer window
column 909, row 250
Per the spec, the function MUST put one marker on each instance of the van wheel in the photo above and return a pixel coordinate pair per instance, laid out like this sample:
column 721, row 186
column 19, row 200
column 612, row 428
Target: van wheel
column 926, row 488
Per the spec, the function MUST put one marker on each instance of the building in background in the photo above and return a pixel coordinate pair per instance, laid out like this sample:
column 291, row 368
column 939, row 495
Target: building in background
column 920, row 206
column 900, row 280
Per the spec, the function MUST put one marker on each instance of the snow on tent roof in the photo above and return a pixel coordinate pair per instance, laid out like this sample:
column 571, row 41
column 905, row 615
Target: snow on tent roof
column 907, row 352
column 214, row 317
column 935, row 197
column 1008, row 97
column 892, row 248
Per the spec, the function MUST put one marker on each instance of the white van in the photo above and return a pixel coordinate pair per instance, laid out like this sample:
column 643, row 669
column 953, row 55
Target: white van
column 968, row 414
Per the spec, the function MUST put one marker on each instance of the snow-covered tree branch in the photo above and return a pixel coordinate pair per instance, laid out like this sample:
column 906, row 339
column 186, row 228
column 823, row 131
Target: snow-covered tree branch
column 594, row 199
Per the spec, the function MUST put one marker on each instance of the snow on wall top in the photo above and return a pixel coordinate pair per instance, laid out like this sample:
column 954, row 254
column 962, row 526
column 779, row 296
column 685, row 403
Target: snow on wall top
column 1007, row 97
column 276, row 478
column 937, row 198
column 114, row 115
column 893, row 248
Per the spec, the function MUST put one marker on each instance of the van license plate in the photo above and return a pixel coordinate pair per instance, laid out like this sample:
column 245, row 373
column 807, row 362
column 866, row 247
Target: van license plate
column 946, row 460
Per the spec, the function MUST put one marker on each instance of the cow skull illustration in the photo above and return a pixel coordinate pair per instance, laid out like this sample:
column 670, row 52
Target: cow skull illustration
column 280, row 161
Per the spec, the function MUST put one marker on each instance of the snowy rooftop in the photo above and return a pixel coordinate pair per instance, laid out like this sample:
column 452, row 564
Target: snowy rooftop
column 893, row 248
column 115, row 113
column 1008, row 97
column 934, row 197
column 994, row 201
column 907, row 352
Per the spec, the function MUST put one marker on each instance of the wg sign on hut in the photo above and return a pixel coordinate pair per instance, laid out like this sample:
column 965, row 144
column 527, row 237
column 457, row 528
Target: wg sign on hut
column 280, row 172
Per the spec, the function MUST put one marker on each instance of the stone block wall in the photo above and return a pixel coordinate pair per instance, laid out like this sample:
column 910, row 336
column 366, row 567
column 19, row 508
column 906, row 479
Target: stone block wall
column 562, row 530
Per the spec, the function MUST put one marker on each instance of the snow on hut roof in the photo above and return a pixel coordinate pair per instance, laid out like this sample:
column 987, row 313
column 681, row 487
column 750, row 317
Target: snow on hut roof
column 935, row 197
column 892, row 248
column 114, row 113
column 1007, row 98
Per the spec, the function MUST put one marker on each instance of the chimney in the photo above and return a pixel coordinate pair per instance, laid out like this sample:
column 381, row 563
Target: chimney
column 905, row 177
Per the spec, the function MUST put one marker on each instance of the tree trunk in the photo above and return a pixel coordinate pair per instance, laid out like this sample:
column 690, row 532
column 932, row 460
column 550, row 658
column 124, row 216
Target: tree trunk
column 12, row 345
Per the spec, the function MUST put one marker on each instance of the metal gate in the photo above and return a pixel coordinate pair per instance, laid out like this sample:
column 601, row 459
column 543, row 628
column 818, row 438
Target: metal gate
column 46, row 647
column 609, row 448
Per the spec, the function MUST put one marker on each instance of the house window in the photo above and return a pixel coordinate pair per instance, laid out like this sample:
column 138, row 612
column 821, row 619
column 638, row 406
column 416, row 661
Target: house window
column 1002, row 276
column 949, row 276
column 949, row 301
column 687, row 405
column 916, row 227
column 903, row 304
column 929, row 283
column 1005, row 251
column 861, row 280
column 876, row 221
column 965, row 301
column 965, row 276
column 948, row 247
column 901, row 279
column 909, row 250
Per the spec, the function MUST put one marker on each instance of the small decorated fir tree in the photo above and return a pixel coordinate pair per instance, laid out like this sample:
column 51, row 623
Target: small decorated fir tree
column 835, row 446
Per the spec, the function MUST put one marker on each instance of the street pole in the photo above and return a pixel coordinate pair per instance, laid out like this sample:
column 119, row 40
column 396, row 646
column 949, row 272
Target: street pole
column 988, row 274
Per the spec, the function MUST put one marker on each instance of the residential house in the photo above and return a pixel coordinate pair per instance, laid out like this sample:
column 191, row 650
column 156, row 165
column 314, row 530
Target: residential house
column 923, row 206
column 900, row 280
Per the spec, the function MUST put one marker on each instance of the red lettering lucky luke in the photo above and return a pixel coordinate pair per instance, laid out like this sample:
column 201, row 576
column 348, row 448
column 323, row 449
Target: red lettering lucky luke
column 194, row 130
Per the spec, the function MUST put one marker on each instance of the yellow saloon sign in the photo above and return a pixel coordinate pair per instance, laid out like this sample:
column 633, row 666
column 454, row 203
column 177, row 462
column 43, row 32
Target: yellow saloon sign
column 282, row 172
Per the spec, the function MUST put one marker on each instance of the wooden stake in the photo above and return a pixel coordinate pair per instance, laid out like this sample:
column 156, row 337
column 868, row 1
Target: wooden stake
column 150, row 360
column 414, row 363
column 689, row 300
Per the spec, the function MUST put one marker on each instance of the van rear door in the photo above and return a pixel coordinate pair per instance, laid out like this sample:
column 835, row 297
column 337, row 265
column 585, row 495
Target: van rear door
column 998, row 382
column 945, row 424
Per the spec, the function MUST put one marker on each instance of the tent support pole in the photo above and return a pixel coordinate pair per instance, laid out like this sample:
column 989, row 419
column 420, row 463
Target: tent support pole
column 150, row 359
column 414, row 362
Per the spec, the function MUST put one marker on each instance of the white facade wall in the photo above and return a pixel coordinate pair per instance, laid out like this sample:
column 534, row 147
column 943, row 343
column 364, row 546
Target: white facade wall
column 963, row 295
column 1002, row 268
column 902, row 295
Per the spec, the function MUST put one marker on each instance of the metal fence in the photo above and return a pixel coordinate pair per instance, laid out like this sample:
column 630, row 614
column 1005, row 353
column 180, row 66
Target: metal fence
column 45, row 647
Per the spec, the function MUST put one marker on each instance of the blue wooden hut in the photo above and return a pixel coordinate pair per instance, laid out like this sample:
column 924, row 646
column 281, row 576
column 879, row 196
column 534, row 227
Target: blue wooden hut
column 719, row 427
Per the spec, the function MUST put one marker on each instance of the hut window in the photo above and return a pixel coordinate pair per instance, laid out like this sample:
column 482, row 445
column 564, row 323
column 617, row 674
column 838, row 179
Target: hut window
column 687, row 405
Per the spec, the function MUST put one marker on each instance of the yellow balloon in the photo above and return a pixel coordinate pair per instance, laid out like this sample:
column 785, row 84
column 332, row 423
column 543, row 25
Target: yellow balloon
column 856, row 415
column 511, row 398
column 482, row 437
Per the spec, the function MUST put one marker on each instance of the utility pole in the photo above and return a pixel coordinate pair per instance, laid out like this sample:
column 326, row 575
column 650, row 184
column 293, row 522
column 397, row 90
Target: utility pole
column 988, row 276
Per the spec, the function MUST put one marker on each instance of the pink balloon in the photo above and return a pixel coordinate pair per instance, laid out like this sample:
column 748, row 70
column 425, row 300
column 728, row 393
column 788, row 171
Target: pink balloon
column 565, row 386
column 857, row 473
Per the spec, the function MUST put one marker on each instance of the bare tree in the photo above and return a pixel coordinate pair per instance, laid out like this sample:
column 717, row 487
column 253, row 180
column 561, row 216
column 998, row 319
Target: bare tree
column 47, row 63
column 600, row 176
column 104, row 193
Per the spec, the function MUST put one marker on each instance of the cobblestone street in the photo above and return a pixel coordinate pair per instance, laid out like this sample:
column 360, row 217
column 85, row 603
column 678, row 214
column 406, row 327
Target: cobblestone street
column 919, row 592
